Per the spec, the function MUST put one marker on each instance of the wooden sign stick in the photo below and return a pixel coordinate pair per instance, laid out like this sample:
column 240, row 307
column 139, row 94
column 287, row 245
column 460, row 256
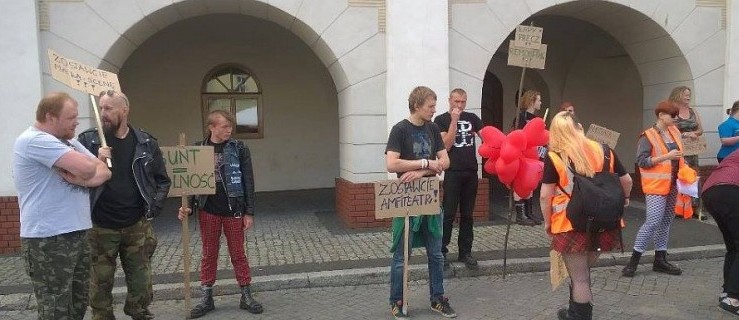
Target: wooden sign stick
column 405, row 263
column 103, row 143
column 185, row 248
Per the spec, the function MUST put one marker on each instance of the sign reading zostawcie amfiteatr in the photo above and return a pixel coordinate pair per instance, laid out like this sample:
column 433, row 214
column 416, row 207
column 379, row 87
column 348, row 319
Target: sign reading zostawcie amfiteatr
column 191, row 170
column 80, row 76
column 526, row 50
column 394, row 198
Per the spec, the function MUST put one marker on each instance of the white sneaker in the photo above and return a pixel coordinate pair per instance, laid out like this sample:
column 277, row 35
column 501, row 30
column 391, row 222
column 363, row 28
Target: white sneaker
column 730, row 304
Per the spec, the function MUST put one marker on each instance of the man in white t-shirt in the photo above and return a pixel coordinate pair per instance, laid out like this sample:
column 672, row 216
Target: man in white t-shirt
column 52, row 173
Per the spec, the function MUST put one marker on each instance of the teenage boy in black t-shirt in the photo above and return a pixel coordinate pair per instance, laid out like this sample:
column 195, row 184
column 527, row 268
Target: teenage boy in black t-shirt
column 415, row 150
column 458, row 130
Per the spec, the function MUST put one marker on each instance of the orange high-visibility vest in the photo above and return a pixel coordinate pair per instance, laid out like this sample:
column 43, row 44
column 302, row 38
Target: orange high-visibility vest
column 658, row 179
column 560, row 223
column 684, row 206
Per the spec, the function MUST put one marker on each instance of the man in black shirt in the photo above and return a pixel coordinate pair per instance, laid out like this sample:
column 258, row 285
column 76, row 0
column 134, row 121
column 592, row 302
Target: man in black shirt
column 122, row 209
column 458, row 130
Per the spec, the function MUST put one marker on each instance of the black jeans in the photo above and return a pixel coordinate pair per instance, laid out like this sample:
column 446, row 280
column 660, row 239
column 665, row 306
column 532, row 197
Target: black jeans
column 460, row 190
column 722, row 202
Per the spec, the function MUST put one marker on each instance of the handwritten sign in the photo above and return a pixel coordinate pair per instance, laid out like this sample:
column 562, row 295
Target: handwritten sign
column 603, row 135
column 526, row 49
column 695, row 146
column 394, row 198
column 191, row 169
column 80, row 76
column 528, row 37
column 557, row 269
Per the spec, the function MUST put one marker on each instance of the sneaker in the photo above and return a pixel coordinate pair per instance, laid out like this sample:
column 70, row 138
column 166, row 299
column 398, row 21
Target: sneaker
column 730, row 304
column 721, row 296
column 469, row 262
column 442, row 306
column 396, row 309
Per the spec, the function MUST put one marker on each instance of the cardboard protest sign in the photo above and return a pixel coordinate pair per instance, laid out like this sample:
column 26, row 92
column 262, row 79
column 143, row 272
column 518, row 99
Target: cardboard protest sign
column 527, row 57
column 603, row 135
column 80, row 76
column 394, row 198
column 191, row 169
column 694, row 146
column 557, row 269
column 526, row 49
column 528, row 37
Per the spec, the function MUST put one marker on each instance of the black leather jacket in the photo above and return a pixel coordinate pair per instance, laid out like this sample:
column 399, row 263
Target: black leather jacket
column 148, row 169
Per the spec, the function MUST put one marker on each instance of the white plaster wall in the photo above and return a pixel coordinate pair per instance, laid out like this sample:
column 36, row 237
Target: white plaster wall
column 731, row 82
column 21, row 89
column 300, row 148
column 417, row 54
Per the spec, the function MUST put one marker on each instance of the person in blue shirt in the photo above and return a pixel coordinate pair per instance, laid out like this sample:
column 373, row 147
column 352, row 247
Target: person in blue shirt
column 728, row 131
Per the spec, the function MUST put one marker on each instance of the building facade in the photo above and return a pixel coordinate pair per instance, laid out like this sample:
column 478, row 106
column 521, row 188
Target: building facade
column 319, row 83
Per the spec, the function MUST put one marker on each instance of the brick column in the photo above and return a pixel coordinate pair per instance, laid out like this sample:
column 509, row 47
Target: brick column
column 10, row 240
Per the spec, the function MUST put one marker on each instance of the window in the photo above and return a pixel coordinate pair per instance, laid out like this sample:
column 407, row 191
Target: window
column 234, row 89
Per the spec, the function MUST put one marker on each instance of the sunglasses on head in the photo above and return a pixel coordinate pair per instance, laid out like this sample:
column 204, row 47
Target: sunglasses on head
column 112, row 94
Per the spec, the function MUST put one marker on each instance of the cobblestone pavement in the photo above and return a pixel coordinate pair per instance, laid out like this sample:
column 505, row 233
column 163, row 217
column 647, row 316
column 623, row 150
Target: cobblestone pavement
column 648, row 295
column 302, row 235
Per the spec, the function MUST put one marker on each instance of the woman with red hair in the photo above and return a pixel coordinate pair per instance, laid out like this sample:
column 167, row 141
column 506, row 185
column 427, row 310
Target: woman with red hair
column 659, row 157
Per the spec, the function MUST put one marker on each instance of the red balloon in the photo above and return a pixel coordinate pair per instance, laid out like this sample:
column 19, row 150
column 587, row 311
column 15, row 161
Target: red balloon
column 528, row 177
column 491, row 135
column 487, row 151
column 517, row 138
column 489, row 167
column 536, row 133
column 506, row 171
column 508, row 152
column 531, row 153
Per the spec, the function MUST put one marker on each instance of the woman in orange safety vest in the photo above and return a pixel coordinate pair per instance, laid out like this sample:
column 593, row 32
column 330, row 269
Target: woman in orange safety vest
column 659, row 157
column 580, row 250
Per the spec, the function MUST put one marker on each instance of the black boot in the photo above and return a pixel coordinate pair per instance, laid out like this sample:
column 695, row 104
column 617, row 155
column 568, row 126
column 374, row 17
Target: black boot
column 630, row 268
column 576, row 311
column 661, row 264
column 248, row 303
column 530, row 211
column 206, row 304
column 521, row 218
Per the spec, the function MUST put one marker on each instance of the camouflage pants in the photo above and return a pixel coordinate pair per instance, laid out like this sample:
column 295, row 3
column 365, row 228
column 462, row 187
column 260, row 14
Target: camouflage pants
column 136, row 245
column 59, row 268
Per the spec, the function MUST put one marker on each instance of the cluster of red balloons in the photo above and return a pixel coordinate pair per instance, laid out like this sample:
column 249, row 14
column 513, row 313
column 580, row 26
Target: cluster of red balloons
column 515, row 158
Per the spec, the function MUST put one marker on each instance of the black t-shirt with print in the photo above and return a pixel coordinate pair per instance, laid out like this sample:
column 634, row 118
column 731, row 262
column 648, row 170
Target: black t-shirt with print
column 218, row 203
column 462, row 153
column 415, row 142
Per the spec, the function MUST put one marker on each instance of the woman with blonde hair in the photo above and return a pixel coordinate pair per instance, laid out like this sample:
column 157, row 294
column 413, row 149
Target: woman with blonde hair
column 688, row 122
column 571, row 151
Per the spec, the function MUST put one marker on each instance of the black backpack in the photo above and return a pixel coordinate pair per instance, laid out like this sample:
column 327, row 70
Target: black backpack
column 597, row 203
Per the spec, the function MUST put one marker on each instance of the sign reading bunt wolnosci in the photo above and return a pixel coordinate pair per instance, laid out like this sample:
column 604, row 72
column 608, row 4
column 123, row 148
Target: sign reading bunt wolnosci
column 191, row 170
column 394, row 198
column 526, row 50
column 603, row 135
column 80, row 76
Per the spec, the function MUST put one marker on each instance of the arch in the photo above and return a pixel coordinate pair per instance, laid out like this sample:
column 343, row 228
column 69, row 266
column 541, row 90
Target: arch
column 345, row 36
column 667, row 41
